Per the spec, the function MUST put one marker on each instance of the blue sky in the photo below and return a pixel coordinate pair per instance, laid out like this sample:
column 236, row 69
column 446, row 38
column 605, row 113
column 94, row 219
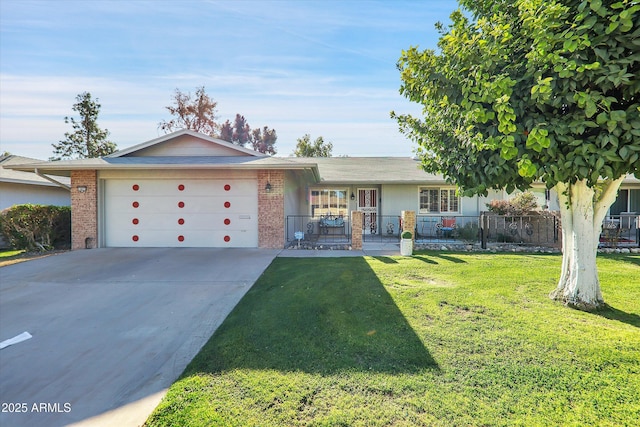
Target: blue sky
column 326, row 68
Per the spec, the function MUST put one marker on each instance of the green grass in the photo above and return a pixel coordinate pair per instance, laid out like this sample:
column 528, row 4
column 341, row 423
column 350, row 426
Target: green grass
column 435, row 339
column 9, row 253
column 10, row 256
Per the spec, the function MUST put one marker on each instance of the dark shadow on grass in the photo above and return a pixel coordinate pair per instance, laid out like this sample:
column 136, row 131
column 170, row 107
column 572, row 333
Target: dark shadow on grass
column 628, row 258
column 612, row 313
column 425, row 259
column 449, row 258
column 314, row 315
column 385, row 259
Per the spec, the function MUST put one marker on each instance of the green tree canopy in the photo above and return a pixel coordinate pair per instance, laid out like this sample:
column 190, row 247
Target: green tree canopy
column 317, row 148
column 87, row 139
column 533, row 90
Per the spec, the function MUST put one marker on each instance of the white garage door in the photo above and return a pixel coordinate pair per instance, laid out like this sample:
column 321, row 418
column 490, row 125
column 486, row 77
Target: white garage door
column 174, row 213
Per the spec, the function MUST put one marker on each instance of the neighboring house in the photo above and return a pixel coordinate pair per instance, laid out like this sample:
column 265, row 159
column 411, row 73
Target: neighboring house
column 20, row 187
column 187, row 189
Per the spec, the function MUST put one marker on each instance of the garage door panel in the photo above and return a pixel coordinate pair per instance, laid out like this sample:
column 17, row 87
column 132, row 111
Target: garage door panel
column 215, row 204
column 189, row 221
column 174, row 188
column 213, row 213
column 190, row 238
column 138, row 205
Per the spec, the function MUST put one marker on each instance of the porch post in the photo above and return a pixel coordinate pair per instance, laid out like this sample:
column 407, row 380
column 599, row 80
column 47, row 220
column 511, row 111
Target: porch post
column 271, row 220
column 84, row 209
column 356, row 230
column 409, row 223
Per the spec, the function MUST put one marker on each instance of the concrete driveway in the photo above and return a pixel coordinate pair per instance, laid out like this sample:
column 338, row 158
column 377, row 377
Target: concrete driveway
column 112, row 328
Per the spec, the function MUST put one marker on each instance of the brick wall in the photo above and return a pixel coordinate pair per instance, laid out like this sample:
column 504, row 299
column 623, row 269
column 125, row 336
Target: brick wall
column 271, row 219
column 84, row 210
column 409, row 223
column 356, row 230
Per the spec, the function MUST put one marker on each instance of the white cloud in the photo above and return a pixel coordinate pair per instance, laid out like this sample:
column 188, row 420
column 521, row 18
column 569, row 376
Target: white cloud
column 355, row 119
column 323, row 68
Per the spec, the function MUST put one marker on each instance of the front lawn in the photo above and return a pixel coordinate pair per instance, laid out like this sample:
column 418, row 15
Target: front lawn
column 435, row 339
column 9, row 253
column 11, row 256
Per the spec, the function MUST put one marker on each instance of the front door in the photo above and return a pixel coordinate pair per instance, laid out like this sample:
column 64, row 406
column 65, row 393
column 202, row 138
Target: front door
column 368, row 205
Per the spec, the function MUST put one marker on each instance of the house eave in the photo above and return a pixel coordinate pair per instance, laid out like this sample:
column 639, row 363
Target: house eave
column 387, row 182
column 27, row 182
column 65, row 169
column 51, row 180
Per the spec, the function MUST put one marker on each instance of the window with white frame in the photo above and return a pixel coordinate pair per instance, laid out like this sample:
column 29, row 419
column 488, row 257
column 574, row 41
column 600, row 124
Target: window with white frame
column 329, row 202
column 439, row 200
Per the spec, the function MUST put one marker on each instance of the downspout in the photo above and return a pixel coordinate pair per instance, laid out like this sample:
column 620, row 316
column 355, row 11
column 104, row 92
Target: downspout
column 59, row 184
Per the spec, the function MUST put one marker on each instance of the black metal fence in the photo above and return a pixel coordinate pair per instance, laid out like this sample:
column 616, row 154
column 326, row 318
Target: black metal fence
column 382, row 228
column 304, row 228
column 541, row 229
column 447, row 229
column 620, row 231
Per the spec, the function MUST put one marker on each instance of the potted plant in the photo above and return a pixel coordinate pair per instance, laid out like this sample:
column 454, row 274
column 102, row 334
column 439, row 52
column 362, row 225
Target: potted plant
column 406, row 244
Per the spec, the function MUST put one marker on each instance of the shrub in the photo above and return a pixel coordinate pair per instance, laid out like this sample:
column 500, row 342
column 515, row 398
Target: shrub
column 469, row 234
column 36, row 227
column 521, row 204
column 500, row 207
column 524, row 203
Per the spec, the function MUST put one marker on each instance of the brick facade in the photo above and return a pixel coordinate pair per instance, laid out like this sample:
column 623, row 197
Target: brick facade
column 356, row 230
column 409, row 222
column 271, row 221
column 84, row 209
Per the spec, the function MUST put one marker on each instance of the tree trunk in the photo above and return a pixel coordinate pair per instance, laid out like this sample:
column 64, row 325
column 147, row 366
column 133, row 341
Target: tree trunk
column 582, row 210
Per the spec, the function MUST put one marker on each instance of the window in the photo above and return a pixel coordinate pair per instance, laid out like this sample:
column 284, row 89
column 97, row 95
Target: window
column 621, row 203
column 329, row 202
column 439, row 200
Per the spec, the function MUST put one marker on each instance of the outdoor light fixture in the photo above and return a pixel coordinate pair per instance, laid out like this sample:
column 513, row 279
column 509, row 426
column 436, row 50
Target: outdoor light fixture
column 353, row 196
column 267, row 187
column 82, row 188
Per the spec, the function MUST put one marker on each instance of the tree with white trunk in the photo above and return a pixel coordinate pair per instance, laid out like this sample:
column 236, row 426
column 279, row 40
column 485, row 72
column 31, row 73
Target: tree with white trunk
column 535, row 90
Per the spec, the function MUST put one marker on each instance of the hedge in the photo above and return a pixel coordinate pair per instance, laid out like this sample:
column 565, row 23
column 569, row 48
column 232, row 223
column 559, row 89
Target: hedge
column 36, row 227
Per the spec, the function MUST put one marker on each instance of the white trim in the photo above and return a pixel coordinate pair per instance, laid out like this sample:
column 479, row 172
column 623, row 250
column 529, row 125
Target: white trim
column 427, row 211
column 345, row 190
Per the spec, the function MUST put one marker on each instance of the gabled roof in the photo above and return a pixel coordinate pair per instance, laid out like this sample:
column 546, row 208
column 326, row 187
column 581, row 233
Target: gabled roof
column 64, row 167
column 328, row 170
column 173, row 151
column 24, row 177
column 175, row 136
